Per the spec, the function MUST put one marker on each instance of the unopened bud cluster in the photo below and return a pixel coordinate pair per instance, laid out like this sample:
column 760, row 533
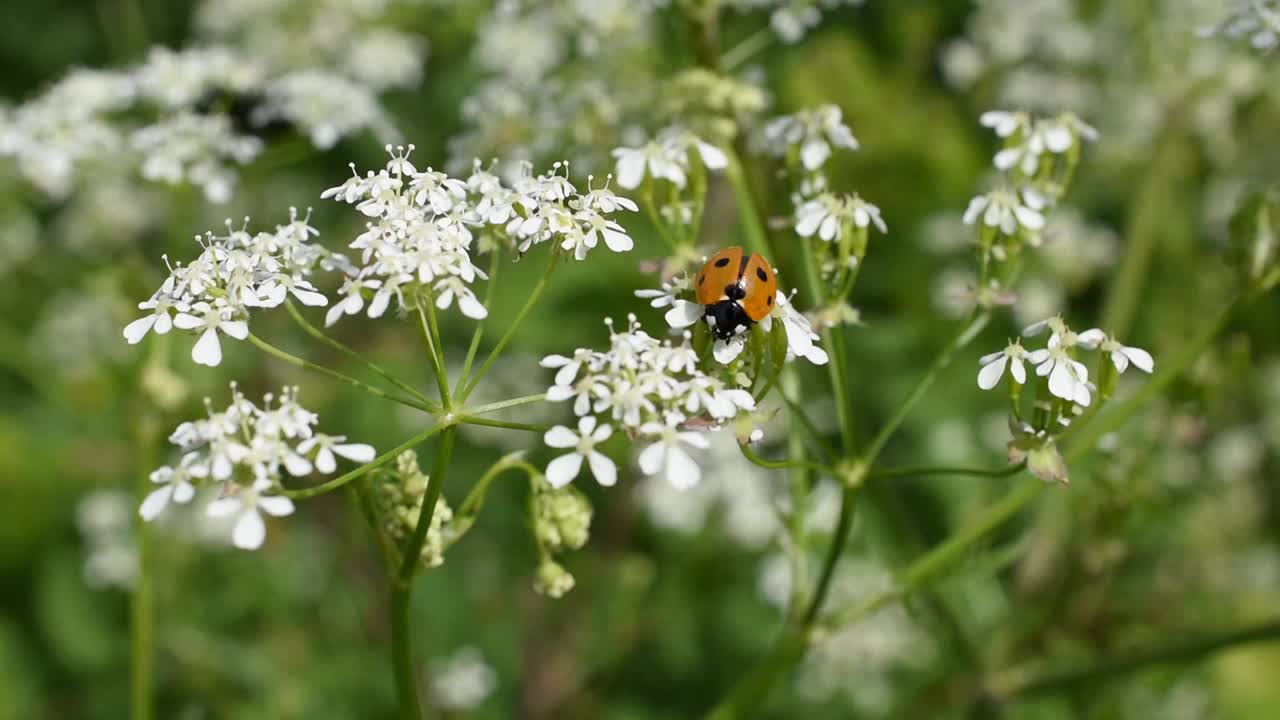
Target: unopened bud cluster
column 399, row 497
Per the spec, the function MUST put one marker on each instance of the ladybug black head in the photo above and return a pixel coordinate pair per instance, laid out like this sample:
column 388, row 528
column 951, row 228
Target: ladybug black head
column 727, row 316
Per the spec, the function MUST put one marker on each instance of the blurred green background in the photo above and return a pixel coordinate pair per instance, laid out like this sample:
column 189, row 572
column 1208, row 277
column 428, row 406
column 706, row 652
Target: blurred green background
column 1168, row 531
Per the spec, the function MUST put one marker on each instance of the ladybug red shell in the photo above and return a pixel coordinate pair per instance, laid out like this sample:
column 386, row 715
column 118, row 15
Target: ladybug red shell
column 736, row 290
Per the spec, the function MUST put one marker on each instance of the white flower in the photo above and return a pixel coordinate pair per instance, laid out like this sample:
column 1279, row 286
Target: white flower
column 250, row 530
column 326, row 446
column 665, row 455
column 564, row 469
column 1068, row 378
column 993, row 366
column 463, row 680
column 1008, row 210
column 826, row 214
column 210, row 320
column 661, row 161
column 352, row 301
column 1121, row 355
column 175, row 485
column 1033, row 138
column 802, row 341
column 683, row 313
column 814, row 132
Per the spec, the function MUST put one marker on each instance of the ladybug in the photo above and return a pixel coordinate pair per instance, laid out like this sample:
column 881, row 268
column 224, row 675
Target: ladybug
column 736, row 290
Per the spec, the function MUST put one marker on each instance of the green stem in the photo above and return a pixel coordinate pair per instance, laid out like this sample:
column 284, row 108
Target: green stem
column 971, row 328
column 939, row 560
column 479, row 332
column 748, row 216
column 755, row 459
column 435, row 484
column 743, row 51
column 747, row 696
column 142, row 598
column 307, row 364
column 1105, row 668
column 504, row 404
column 1149, row 215
column 402, row 652
column 493, row 422
column 402, row 583
column 797, row 413
column 431, row 341
column 532, row 300
column 320, row 335
column 945, row 470
column 799, row 485
column 844, row 523
column 377, row 462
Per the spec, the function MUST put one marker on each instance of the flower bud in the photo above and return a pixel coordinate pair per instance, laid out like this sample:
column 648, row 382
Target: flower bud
column 561, row 517
column 552, row 579
column 399, row 498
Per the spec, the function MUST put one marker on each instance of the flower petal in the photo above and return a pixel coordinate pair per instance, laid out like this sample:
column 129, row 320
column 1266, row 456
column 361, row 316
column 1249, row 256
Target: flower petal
column 207, row 350
column 564, row 469
column 560, row 437
column 990, row 374
column 603, row 468
column 249, row 531
column 276, row 505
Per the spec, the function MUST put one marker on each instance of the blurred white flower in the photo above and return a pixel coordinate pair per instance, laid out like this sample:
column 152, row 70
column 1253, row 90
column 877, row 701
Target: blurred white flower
column 811, row 133
column 462, row 680
column 1008, row 211
column 666, row 157
column 666, row 456
column 827, row 213
column 111, row 555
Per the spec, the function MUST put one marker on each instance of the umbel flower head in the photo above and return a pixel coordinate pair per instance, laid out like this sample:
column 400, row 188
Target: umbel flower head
column 243, row 452
column 650, row 390
column 1068, row 377
column 812, row 134
column 212, row 296
column 422, row 229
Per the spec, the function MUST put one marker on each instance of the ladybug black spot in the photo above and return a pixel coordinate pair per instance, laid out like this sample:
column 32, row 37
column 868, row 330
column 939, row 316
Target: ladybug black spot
column 760, row 274
column 702, row 279
column 722, row 262
column 769, row 300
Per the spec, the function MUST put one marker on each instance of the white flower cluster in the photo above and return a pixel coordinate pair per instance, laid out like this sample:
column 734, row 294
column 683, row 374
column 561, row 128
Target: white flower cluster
column 814, row 133
column 242, row 451
column 356, row 40
column 828, row 214
column 1068, row 377
column 424, row 224
column 235, row 272
column 179, row 116
column 1257, row 20
column 1037, row 161
column 653, row 391
column 802, row 341
column 667, row 157
column 1028, row 140
column 111, row 551
column 791, row 20
column 560, row 72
